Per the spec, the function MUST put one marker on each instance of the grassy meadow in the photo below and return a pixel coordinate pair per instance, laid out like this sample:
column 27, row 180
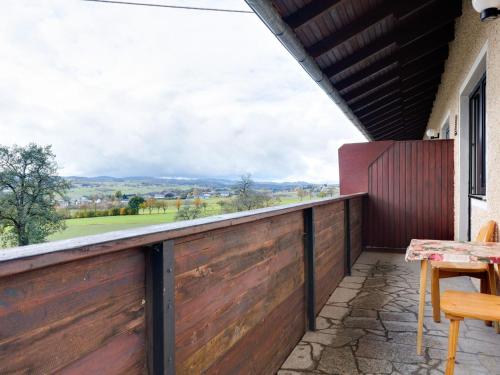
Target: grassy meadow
column 97, row 225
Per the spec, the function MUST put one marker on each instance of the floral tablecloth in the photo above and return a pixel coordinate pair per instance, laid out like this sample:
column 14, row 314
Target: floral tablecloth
column 454, row 251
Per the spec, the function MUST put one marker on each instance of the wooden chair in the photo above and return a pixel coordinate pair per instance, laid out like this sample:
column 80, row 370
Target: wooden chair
column 441, row 270
column 459, row 305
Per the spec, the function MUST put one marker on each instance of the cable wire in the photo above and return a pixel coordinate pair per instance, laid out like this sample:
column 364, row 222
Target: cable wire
column 170, row 6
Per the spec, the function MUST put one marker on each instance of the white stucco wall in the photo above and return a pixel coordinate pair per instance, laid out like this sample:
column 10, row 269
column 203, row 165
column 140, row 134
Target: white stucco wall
column 471, row 37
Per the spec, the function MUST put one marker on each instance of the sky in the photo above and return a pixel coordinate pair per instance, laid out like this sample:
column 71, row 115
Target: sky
column 135, row 91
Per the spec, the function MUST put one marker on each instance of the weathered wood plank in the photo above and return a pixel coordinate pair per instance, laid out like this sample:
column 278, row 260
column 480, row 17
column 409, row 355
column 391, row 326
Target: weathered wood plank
column 239, row 290
column 54, row 317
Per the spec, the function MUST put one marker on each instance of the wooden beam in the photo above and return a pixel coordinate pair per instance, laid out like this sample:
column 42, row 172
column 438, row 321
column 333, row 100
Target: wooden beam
column 393, row 121
column 421, row 80
column 365, row 73
column 427, row 93
column 375, row 84
column 309, row 12
column 383, row 117
column 384, row 125
column 388, row 92
column 416, row 90
column 427, row 44
column 387, row 85
column 428, row 20
column 391, row 92
column 395, row 117
column 391, row 79
column 362, row 54
column 352, row 29
column 399, row 117
column 386, row 107
column 426, row 62
column 379, row 108
column 411, row 49
column 397, row 130
column 407, row 128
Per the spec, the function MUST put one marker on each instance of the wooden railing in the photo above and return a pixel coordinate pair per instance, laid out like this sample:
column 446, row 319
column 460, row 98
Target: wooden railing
column 227, row 294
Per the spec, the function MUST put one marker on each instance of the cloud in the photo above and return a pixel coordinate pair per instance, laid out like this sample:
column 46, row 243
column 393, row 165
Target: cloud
column 122, row 91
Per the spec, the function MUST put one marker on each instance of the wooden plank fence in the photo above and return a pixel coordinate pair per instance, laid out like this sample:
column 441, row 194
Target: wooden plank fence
column 221, row 295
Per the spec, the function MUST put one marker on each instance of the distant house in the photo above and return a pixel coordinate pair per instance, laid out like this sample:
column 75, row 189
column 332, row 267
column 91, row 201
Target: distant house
column 225, row 194
column 159, row 196
column 206, row 195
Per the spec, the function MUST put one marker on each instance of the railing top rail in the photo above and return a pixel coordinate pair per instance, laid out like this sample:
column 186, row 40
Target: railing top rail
column 20, row 259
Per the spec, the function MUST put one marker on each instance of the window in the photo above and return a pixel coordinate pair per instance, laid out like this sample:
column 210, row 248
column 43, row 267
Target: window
column 477, row 140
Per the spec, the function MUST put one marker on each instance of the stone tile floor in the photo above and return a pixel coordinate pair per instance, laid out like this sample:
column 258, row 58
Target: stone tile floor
column 369, row 326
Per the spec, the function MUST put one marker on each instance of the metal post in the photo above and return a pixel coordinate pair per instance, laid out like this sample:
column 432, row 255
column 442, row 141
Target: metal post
column 347, row 236
column 310, row 273
column 160, row 293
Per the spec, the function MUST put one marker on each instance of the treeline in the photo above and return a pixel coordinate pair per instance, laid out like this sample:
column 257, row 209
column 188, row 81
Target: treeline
column 117, row 211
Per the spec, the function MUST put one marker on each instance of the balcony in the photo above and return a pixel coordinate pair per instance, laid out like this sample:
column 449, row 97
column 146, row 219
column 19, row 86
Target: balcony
column 369, row 326
column 228, row 294
column 299, row 289
column 231, row 294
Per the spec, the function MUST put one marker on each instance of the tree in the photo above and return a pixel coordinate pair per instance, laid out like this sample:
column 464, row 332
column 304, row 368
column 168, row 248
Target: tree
column 158, row 205
column 197, row 202
column 301, row 193
column 247, row 198
column 150, row 204
column 178, row 204
column 29, row 188
column 188, row 213
column 163, row 205
column 204, row 205
column 118, row 194
column 134, row 204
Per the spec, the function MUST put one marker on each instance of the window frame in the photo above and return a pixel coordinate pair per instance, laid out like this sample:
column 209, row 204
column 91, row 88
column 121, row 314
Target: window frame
column 477, row 140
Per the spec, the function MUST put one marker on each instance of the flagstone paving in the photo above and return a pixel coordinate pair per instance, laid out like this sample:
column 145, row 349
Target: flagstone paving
column 369, row 326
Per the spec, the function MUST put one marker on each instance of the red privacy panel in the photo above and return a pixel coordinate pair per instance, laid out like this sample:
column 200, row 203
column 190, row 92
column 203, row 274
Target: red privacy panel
column 410, row 192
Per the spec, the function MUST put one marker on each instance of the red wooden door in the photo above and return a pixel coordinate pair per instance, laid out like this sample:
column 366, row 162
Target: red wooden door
column 410, row 189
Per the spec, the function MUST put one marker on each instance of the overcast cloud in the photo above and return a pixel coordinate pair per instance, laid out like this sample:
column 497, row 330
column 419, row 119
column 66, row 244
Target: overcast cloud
column 131, row 91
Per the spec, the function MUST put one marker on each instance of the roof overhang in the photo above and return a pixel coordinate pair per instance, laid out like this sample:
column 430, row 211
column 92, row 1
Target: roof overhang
column 380, row 61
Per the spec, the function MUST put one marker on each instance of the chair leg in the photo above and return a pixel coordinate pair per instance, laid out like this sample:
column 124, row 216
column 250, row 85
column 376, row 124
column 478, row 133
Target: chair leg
column 485, row 288
column 435, row 295
column 493, row 287
column 452, row 345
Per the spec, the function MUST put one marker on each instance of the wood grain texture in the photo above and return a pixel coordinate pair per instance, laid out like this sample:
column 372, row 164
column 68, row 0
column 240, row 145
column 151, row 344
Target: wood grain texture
column 239, row 299
column 228, row 283
column 330, row 252
column 409, row 189
column 75, row 315
column 356, row 220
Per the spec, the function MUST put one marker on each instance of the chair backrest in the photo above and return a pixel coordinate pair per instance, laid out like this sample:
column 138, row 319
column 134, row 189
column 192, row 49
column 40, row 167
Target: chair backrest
column 487, row 232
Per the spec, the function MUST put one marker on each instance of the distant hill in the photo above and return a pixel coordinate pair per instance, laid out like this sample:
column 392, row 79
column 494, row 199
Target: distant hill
column 85, row 186
column 199, row 182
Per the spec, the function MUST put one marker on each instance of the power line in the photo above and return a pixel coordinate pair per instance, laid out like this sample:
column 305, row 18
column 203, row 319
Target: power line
column 170, row 6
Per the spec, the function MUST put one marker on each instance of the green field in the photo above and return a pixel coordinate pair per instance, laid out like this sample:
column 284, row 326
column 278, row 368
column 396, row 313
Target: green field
column 97, row 225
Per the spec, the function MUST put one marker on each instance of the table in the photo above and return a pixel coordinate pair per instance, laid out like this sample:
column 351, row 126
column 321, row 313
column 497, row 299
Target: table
column 446, row 251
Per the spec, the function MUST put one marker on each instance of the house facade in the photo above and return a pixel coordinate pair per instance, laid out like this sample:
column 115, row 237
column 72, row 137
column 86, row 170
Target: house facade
column 474, row 55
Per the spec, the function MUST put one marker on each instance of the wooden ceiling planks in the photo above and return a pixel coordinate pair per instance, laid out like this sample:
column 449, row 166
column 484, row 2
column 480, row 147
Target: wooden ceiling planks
column 384, row 57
